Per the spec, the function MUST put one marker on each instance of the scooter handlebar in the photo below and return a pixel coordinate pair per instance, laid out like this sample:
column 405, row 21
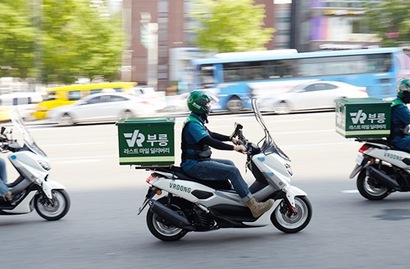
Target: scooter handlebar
column 239, row 134
column 251, row 148
column 7, row 143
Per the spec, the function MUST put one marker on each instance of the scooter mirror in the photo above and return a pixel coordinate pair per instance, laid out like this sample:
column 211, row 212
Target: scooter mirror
column 238, row 126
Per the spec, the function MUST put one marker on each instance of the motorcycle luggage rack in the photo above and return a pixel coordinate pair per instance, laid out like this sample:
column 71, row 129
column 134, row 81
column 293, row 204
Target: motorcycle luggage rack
column 374, row 140
column 150, row 167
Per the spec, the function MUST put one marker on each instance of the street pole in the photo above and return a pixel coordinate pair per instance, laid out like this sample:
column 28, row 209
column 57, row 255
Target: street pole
column 149, row 39
column 152, row 55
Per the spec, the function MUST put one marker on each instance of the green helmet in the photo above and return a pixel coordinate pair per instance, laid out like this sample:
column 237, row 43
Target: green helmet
column 403, row 86
column 197, row 102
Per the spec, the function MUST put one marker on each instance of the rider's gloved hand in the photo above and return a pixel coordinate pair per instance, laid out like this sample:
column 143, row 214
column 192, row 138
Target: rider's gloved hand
column 239, row 148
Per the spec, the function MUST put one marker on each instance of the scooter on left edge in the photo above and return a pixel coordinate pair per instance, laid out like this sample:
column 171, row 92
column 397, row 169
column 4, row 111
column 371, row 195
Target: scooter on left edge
column 32, row 189
column 186, row 204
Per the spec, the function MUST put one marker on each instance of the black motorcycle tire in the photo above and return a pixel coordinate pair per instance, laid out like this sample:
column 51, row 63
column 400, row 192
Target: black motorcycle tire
column 159, row 228
column 368, row 190
column 53, row 209
column 286, row 222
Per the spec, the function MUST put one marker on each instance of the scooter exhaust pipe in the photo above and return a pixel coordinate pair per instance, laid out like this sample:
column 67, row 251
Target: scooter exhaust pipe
column 383, row 178
column 170, row 215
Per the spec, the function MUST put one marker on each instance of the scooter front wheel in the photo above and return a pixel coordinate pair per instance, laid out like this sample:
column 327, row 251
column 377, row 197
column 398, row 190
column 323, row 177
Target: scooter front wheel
column 160, row 228
column 53, row 209
column 292, row 222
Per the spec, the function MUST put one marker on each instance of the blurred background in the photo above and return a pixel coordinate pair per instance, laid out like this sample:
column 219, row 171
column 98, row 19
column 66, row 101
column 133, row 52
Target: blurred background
column 46, row 44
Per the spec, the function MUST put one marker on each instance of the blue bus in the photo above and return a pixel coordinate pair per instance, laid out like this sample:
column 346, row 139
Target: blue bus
column 377, row 69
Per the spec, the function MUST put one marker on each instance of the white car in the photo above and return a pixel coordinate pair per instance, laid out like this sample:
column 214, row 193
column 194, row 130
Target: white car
column 176, row 103
column 101, row 107
column 316, row 95
column 157, row 99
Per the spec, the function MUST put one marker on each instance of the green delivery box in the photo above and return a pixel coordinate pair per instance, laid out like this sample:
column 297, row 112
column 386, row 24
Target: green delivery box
column 363, row 117
column 146, row 142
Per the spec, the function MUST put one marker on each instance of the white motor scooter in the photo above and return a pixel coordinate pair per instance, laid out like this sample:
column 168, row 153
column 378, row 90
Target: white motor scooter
column 192, row 204
column 381, row 169
column 32, row 189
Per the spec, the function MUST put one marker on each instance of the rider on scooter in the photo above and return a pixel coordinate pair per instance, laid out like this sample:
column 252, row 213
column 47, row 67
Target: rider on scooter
column 196, row 160
column 400, row 118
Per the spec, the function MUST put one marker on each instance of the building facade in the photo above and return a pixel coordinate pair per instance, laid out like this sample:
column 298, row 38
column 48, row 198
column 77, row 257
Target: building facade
column 153, row 29
column 156, row 29
column 337, row 24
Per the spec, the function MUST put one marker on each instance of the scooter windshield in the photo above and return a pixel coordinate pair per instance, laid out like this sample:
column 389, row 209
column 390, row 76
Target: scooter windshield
column 267, row 139
column 28, row 138
column 268, row 144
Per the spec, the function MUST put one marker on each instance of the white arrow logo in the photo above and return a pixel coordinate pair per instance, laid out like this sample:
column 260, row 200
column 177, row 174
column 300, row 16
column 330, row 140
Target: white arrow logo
column 134, row 138
column 358, row 117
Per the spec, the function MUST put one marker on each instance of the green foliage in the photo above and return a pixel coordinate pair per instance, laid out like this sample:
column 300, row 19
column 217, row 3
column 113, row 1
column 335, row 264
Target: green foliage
column 231, row 25
column 64, row 40
column 390, row 16
column 16, row 39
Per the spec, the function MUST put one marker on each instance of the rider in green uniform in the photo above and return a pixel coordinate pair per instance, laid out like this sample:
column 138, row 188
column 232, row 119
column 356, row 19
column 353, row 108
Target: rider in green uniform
column 196, row 143
column 400, row 117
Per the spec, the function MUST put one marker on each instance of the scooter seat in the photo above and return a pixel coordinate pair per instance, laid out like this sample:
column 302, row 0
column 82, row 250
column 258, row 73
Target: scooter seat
column 180, row 174
column 395, row 148
column 385, row 142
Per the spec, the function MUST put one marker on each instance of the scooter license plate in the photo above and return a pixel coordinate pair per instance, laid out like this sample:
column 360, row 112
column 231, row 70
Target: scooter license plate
column 359, row 159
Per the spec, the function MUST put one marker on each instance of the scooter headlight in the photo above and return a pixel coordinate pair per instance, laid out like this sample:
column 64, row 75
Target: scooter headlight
column 46, row 165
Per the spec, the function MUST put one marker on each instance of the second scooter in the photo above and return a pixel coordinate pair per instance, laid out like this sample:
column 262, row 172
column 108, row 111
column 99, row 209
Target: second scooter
column 33, row 188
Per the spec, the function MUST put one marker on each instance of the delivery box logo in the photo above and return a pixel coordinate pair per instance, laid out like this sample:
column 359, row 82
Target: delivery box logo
column 135, row 138
column 358, row 117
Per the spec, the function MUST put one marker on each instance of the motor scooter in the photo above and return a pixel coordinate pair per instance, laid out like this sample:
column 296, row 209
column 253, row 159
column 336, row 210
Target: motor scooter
column 381, row 169
column 178, row 204
column 32, row 189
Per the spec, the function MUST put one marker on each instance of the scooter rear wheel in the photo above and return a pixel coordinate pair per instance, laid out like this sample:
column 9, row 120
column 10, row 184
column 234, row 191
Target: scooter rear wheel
column 160, row 228
column 53, row 209
column 369, row 187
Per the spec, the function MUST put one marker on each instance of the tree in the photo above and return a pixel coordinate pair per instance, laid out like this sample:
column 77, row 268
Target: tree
column 390, row 20
column 16, row 39
column 231, row 25
column 66, row 40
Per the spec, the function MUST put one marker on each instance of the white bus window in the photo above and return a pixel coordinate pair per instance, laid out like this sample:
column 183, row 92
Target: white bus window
column 206, row 76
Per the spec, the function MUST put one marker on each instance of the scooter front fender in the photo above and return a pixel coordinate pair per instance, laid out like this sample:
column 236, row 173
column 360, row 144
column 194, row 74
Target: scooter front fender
column 50, row 185
column 292, row 192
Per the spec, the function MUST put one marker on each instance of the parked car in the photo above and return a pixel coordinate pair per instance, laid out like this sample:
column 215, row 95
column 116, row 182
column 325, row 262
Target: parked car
column 101, row 107
column 309, row 96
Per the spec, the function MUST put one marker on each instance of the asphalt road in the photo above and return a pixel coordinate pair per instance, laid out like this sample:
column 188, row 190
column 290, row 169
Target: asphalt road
column 102, row 229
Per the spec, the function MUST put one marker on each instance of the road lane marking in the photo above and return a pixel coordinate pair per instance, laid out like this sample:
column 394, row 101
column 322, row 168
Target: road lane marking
column 82, row 159
column 350, row 191
column 74, row 144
